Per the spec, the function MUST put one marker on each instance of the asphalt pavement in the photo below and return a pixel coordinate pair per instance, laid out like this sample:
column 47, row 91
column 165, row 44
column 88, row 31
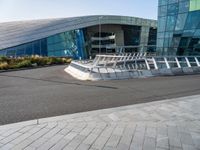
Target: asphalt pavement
column 47, row 92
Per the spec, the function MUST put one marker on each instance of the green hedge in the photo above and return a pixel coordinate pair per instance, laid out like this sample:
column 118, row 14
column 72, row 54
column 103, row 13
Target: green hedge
column 24, row 62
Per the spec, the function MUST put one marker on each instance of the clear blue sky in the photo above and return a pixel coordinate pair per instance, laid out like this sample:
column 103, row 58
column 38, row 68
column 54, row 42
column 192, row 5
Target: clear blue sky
column 12, row 10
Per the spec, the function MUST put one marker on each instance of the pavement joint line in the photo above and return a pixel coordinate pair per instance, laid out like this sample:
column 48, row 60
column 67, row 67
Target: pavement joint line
column 93, row 112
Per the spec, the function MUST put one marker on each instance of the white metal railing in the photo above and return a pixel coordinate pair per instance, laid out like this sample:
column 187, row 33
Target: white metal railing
column 136, row 62
column 150, row 62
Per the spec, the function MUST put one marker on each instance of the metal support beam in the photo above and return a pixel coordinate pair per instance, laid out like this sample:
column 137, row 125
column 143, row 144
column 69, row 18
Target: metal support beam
column 147, row 64
column 155, row 64
column 178, row 64
column 197, row 61
column 188, row 62
column 166, row 62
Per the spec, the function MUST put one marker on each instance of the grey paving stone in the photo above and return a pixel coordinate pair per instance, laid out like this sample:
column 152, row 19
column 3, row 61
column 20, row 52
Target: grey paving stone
column 186, row 138
column 83, row 147
column 74, row 143
column 137, row 141
column 37, row 143
column 1, row 137
column 174, row 142
column 25, row 129
column 118, row 131
column 34, row 130
column 37, row 135
column 109, row 148
column 159, row 148
column 149, row 143
column 70, row 135
column 10, row 138
column 52, row 125
column 86, row 131
column 51, row 142
column 90, row 139
column 150, row 132
column 60, row 144
column 108, row 131
column 162, row 131
column 175, row 148
column 126, row 138
column 23, row 144
column 51, row 133
column 62, row 124
column 7, row 146
column 30, row 148
column 64, row 131
column 113, row 141
column 10, row 132
column 163, row 142
column 21, row 138
column 189, row 147
column 100, row 142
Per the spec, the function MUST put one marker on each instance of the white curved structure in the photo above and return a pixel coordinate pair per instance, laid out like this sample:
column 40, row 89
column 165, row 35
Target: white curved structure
column 137, row 65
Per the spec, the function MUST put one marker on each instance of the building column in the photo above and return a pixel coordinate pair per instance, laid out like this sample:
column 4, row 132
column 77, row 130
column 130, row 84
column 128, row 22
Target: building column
column 144, row 36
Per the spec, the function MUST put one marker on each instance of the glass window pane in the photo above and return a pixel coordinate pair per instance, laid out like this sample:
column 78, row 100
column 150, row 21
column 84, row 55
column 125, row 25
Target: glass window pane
column 192, row 20
column 183, row 6
column 162, row 10
column 172, row 9
column 171, row 21
column 181, row 21
column 161, row 24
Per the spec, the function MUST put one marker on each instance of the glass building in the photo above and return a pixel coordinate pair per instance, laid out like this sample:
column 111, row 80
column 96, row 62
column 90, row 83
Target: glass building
column 78, row 37
column 178, row 27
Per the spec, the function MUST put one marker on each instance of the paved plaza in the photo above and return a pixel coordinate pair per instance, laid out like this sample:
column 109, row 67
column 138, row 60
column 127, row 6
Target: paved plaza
column 172, row 124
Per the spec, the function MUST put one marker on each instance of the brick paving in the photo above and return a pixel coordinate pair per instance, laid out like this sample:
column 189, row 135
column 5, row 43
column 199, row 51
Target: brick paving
column 172, row 124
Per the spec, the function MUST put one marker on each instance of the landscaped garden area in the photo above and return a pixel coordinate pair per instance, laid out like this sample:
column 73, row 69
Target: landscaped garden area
column 31, row 62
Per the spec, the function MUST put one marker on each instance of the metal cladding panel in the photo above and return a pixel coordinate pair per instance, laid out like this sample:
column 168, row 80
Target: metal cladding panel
column 20, row 32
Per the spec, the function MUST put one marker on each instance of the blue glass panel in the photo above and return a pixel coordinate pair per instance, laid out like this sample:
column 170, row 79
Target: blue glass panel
column 188, row 33
column 3, row 52
column 29, row 49
column 172, row 9
column 171, row 22
column 20, row 51
column 180, row 23
column 162, row 2
column 44, row 47
column 197, row 33
column 192, row 20
column 11, row 52
column 162, row 10
column 36, row 47
column 183, row 6
column 172, row 1
column 161, row 24
column 80, row 44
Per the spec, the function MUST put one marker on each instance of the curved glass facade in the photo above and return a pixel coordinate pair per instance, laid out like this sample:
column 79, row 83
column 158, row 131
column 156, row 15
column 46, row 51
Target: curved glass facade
column 66, row 44
column 78, row 38
column 178, row 27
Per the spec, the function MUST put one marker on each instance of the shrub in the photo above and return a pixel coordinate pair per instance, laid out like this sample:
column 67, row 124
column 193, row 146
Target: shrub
column 40, row 61
column 24, row 63
column 3, row 59
column 12, row 63
column 3, row 65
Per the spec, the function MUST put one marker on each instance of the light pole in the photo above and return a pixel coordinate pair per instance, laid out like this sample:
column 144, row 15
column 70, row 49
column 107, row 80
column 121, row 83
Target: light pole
column 100, row 17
